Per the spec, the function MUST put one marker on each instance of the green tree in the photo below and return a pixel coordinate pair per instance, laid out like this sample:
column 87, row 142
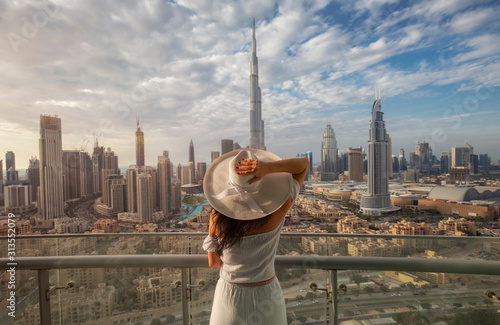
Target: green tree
column 170, row 318
column 302, row 319
column 348, row 312
column 425, row 305
column 358, row 278
column 369, row 289
column 156, row 321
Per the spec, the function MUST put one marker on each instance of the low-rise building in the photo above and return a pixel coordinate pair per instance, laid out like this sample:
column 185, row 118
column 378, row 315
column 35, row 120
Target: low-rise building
column 374, row 248
column 352, row 224
column 66, row 225
column 411, row 228
column 105, row 226
column 458, row 226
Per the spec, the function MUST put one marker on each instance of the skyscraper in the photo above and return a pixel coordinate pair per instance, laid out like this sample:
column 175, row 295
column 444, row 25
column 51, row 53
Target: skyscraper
column 139, row 146
column 51, row 171
column 145, row 197
column 1, row 176
column 214, row 155
column 256, row 122
column 164, row 155
column 460, row 157
column 132, row 174
column 424, row 153
column 201, row 169
column 226, row 145
column 33, row 175
column 413, row 160
column 377, row 200
column 165, row 185
column 355, row 162
column 10, row 167
column 309, row 157
column 403, row 164
column 97, row 166
column 445, row 162
column 395, row 164
column 191, row 161
column 329, row 155
column 77, row 175
column 111, row 161
column 176, row 196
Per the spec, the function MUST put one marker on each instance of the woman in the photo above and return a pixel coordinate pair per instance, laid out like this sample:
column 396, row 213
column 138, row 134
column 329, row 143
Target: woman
column 250, row 192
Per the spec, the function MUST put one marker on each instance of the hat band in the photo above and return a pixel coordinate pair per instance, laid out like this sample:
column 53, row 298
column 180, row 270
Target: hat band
column 244, row 193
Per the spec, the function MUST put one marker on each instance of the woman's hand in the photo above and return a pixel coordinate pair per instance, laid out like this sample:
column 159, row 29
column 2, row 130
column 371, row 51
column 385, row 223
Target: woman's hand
column 255, row 167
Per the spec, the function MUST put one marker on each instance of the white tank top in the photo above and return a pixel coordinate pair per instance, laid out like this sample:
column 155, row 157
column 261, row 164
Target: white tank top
column 252, row 260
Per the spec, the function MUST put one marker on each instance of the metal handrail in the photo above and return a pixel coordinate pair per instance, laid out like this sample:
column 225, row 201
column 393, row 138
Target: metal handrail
column 303, row 261
column 185, row 262
column 285, row 235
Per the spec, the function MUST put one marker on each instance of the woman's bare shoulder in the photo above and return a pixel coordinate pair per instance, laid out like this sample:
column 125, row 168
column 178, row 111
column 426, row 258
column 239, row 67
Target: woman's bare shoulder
column 275, row 219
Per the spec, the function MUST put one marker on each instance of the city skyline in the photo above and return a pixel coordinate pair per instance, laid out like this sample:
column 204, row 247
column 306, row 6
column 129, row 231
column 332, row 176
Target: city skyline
column 437, row 66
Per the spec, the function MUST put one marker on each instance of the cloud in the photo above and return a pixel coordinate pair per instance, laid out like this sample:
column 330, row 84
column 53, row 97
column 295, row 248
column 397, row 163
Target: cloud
column 183, row 68
column 471, row 20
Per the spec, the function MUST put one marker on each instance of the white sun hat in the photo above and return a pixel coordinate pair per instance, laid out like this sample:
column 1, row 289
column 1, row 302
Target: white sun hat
column 230, row 193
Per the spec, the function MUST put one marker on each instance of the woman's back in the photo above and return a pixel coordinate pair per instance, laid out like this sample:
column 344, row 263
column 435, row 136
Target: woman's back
column 253, row 259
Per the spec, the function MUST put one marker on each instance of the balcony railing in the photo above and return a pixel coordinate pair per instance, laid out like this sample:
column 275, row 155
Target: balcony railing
column 451, row 284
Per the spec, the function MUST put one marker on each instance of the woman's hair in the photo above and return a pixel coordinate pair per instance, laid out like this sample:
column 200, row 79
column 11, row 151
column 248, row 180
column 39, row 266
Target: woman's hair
column 231, row 231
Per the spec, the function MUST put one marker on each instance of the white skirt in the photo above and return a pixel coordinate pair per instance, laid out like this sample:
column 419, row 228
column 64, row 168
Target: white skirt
column 262, row 305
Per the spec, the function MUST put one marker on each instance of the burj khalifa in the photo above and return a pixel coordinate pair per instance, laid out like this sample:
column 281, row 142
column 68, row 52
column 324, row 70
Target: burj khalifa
column 256, row 122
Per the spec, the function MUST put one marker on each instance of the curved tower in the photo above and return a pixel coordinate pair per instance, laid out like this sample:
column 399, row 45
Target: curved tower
column 377, row 200
column 329, row 155
column 256, row 122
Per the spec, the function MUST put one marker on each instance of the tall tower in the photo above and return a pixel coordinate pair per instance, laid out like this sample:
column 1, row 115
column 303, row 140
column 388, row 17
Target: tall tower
column 51, row 169
column 111, row 161
column 377, row 200
column 145, row 195
column 1, row 176
column 403, row 165
column 256, row 122
column 191, row 161
column 10, row 166
column 139, row 146
column 355, row 164
column 226, row 145
column 424, row 153
column 97, row 166
column 329, row 155
column 165, row 185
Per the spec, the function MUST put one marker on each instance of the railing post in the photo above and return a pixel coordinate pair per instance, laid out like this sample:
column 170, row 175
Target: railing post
column 334, row 284
column 43, row 299
column 185, row 298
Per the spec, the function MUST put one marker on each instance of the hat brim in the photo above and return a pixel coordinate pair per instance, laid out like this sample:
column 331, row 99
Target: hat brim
column 273, row 189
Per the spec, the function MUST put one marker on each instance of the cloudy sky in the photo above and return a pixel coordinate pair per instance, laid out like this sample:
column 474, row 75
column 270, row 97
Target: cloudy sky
column 183, row 67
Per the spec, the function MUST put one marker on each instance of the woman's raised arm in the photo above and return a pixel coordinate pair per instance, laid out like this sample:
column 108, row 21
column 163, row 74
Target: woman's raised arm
column 295, row 166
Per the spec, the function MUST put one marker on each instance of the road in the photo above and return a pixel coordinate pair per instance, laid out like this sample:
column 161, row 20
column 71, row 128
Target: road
column 82, row 211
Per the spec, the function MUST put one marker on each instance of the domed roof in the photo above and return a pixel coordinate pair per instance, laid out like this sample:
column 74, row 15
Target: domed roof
column 454, row 193
column 449, row 193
